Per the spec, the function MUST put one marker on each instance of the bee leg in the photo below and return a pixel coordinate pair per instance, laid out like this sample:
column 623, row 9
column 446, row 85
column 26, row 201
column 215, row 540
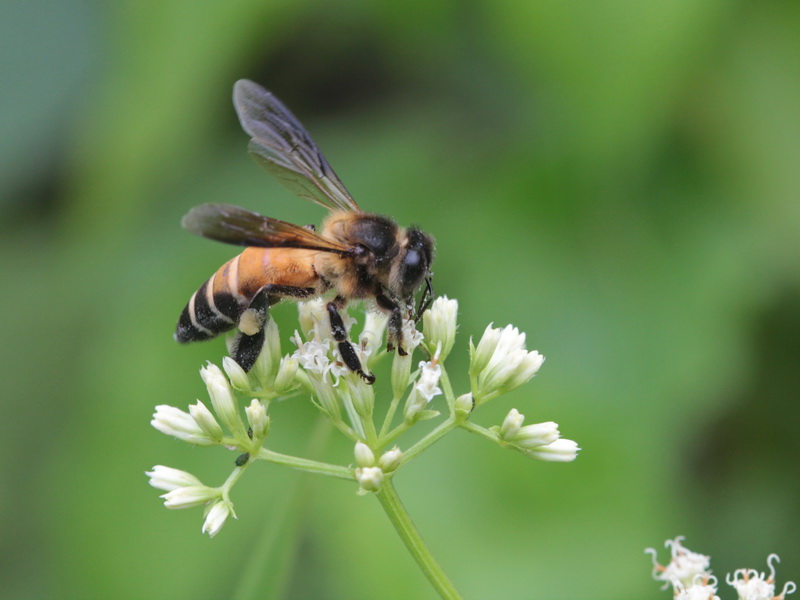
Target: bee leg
column 248, row 342
column 395, row 323
column 339, row 331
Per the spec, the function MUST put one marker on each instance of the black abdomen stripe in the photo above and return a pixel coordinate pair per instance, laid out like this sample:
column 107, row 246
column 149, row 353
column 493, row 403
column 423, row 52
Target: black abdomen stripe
column 207, row 315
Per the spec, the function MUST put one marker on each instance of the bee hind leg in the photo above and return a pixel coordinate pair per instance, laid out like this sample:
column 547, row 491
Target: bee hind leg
column 349, row 355
column 250, row 339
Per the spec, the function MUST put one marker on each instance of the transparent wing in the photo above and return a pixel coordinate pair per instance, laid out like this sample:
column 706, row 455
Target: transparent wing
column 240, row 227
column 282, row 145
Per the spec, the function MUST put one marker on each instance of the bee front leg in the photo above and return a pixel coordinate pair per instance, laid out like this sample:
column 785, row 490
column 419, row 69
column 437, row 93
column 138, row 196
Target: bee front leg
column 248, row 342
column 395, row 323
column 339, row 331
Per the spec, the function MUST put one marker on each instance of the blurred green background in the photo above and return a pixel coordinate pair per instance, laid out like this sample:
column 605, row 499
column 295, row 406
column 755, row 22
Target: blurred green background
column 618, row 179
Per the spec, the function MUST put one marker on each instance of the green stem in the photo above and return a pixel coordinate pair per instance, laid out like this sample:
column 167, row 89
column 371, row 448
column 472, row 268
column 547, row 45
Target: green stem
column 429, row 439
column 387, row 420
column 482, row 431
column 405, row 528
column 304, row 464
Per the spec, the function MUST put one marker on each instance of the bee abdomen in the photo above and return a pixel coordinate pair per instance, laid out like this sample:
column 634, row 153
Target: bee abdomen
column 207, row 314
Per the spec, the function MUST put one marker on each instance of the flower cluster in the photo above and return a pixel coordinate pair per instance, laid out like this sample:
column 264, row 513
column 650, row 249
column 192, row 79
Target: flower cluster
column 690, row 576
column 237, row 415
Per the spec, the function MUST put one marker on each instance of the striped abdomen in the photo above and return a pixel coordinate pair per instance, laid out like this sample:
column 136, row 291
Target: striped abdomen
column 216, row 307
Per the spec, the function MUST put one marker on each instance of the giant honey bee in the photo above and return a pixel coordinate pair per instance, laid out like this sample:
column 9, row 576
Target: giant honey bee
column 356, row 255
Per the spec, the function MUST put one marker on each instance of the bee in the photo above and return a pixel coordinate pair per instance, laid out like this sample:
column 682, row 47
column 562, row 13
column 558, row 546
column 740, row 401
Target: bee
column 355, row 255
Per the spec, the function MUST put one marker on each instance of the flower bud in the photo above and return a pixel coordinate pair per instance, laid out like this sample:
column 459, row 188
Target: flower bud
column 266, row 364
column 364, row 455
column 179, row 424
column 511, row 424
column 284, row 380
column 390, row 460
column 219, row 390
column 538, row 434
column 401, row 373
column 501, row 362
column 205, row 420
column 190, row 496
column 439, row 326
column 216, row 515
column 312, row 315
column 236, row 374
column 374, row 327
column 464, row 405
column 369, row 478
column 562, row 450
column 168, row 479
column 362, row 396
column 480, row 356
column 258, row 419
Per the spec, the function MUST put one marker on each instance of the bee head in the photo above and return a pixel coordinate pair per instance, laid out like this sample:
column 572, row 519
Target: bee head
column 412, row 264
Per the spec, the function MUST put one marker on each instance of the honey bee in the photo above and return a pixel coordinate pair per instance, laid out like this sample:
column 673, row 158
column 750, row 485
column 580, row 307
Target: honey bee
column 355, row 255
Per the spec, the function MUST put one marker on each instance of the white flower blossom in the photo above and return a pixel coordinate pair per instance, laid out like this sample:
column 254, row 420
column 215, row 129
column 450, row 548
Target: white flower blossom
column 222, row 398
column 501, row 362
column 216, row 515
column 704, row 588
column 364, row 455
column 369, row 478
column 683, row 567
column 168, row 479
column 562, row 450
column 752, row 585
column 257, row 418
column 439, row 325
column 190, row 496
column 179, row 424
column 390, row 460
column 427, row 385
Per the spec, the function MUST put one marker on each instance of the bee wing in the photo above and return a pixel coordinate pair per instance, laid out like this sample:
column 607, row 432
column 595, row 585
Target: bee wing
column 282, row 146
column 240, row 227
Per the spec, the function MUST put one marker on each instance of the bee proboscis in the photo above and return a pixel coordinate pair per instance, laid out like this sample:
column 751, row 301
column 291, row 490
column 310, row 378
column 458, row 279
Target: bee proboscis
column 356, row 255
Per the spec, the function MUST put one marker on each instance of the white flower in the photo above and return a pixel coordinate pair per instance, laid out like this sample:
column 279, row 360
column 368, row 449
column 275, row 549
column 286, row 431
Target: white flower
column 237, row 375
column 424, row 390
column 190, row 496
column 314, row 319
column 285, row 379
column 562, row 450
column 411, row 337
column 371, row 336
column 511, row 424
column 369, row 478
column 390, row 460
column 537, row 434
column 222, row 399
column 704, row 588
column 501, row 362
column 267, row 362
column 216, row 515
column 205, row 420
column 684, row 566
column 463, row 405
column 257, row 418
column 364, row 455
column 752, row 585
column 168, row 479
column 429, row 375
column 312, row 355
column 179, row 424
column 439, row 325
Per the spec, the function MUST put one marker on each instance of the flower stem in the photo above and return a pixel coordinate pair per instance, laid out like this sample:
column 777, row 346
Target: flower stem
column 407, row 531
column 304, row 464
